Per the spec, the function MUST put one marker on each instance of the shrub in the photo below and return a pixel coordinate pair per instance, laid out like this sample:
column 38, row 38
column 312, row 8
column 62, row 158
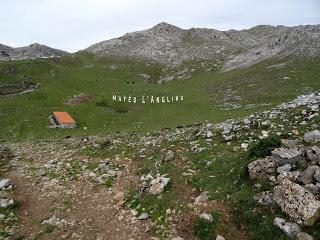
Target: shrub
column 264, row 147
column 205, row 230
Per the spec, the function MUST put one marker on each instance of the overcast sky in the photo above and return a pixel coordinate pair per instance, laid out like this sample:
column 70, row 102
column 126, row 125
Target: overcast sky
column 73, row 25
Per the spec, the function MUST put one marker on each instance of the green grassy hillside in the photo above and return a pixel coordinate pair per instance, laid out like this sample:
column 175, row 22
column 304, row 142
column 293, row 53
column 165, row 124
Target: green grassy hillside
column 207, row 95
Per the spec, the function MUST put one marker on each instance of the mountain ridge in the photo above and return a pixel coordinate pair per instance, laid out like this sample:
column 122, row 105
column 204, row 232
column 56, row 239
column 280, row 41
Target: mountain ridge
column 32, row 51
column 170, row 45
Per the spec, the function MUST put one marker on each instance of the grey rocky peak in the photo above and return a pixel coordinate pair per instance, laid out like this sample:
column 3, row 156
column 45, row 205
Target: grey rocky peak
column 32, row 51
column 171, row 45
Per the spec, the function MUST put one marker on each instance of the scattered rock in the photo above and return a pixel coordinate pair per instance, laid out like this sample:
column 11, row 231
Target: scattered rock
column 5, row 184
column 284, row 155
column 202, row 198
column 316, row 175
column 6, row 202
column 52, row 221
column 177, row 238
column 158, row 184
column 307, row 176
column 289, row 228
column 264, row 198
column 312, row 137
column 290, row 143
column 298, row 203
column 143, row 216
column 119, row 197
column 262, row 168
column 219, row 237
column 285, row 168
column 169, row 155
column 206, row 216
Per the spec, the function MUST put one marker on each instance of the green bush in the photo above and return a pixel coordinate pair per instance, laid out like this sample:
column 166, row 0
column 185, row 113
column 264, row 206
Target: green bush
column 205, row 230
column 264, row 147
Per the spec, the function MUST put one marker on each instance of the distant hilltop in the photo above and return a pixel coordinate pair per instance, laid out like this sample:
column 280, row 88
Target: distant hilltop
column 29, row 52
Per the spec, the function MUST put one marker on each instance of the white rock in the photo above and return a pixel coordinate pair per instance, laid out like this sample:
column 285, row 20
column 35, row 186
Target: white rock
column 52, row 221
column 312, row 137
column 219, row 237
column 143, row 216
column 291, row 229
column 5, row 184
column 6, row 202
column 158, row 184
column 206, row 216
column 202, row 198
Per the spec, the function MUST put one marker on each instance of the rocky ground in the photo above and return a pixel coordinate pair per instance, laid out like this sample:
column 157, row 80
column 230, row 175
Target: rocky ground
column 181, row 183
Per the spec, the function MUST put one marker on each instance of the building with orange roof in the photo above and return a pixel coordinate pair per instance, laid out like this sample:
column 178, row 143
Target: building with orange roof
column 63, row 120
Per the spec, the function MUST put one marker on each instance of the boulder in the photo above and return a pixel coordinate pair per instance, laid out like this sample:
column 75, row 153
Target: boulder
column 312, row 154
column 264, row 198
column 169, row 155
column 202, row 198
column 6, row 202
column 119, row 197
column 290, row 143
column 316, row 175
column 307, row 176
column 301, row 205
column 286, row 155
column 285, row 168
column 312, row 137
column 289, row 228
column 262, row 168
column 143, row 216
column 220, row 238
column 5, row 184
column 158, row 184
column 52, row 221
column 206, row 216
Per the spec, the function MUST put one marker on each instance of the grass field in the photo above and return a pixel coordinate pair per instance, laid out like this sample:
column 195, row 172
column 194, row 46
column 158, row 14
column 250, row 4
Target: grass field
column 206, row 94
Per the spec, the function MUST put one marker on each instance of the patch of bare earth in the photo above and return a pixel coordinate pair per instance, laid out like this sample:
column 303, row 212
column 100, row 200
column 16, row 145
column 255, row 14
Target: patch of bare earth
column 87, row 209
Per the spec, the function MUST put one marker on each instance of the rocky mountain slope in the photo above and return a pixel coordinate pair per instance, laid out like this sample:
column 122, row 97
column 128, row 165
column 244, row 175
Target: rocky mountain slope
column 29, row 52
column 170, row 45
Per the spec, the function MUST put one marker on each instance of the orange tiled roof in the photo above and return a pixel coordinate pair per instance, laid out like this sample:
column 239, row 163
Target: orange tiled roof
column 64, row 118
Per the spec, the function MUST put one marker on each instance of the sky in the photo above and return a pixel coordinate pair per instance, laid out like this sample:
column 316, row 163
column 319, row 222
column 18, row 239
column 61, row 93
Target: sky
column 73, row 25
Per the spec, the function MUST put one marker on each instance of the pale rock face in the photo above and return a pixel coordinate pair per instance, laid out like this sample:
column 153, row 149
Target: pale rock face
column 289, row 228
column 172, row 46
column 307, row 176
column 206, row 216
column 284, row 155
column 202, row 198
column 158, row 184
column 298, row 203
column 169, row 155
column 262, row 168
column 220, row 238
column 312, row 137
column 5, row 184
